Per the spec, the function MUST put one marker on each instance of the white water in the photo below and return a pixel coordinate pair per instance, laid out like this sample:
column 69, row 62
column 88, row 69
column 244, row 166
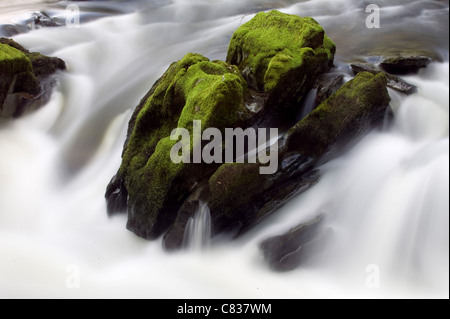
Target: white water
column 197, row 236
column 386, row 200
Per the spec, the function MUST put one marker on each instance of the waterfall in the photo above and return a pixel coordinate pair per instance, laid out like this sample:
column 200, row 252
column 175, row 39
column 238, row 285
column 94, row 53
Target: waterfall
column 197, row 235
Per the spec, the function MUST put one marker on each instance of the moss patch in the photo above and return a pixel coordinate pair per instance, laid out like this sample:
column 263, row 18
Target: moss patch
column 13, row 61
column 193, row 88
column 233, row 183
column 22, row 72
column 41, row 65
column 345, row 113
column 156, row 116
column 280, row 52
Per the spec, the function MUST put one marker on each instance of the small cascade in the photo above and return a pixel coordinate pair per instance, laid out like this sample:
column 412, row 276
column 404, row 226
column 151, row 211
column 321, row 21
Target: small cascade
column 197, row 235
column 308, row 104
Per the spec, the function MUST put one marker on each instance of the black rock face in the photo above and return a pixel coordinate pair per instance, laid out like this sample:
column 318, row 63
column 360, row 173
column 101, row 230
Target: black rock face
column 289, row 250
column 405, row 65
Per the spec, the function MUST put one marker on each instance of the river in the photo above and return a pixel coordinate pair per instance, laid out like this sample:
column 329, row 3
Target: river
column 386, row 199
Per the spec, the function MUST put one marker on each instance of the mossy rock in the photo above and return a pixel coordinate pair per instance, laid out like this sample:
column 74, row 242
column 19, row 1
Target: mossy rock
column 13, row 61
column 241, row 197
column 193, row 88
column 22, row 74
column 281, row 55
column 348, row 112
column 393, row 81
column 236, row 190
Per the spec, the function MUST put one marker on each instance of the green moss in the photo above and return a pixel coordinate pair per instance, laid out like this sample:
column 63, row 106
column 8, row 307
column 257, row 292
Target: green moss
column 163, row 171
column 193, row 88
column 281, row 64
column 29, row 67
column 13, row 61
column 357, row 103
column 330, row 49
column 158, row 115
column 272, row 45
column 214, row 94
column 232, row 187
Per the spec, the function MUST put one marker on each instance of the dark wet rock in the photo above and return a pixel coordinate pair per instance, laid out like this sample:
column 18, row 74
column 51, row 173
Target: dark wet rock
column 117, row 195
column 11, row 30
column 43, row 20
column 174, row 238
column 405, row 65
column 326, row 85
column 291, row 249
column 394, row 82
column 25, row 78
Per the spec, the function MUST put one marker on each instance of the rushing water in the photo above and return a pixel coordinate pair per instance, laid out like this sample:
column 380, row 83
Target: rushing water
column 197, row 235
column 386, row 200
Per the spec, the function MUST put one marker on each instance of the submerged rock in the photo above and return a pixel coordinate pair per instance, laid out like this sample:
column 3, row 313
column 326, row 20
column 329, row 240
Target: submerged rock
column 394, row 82
column 326, row 85
column 25, row 78
column 405, row 65
column 289, row 250
column 43, row 20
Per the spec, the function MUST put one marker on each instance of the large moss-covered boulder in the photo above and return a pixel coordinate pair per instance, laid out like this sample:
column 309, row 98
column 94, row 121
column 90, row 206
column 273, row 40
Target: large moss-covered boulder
column 274, row 59
column 25, row 78
column 158, row 193
column 281, row 55
column 193, row 88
